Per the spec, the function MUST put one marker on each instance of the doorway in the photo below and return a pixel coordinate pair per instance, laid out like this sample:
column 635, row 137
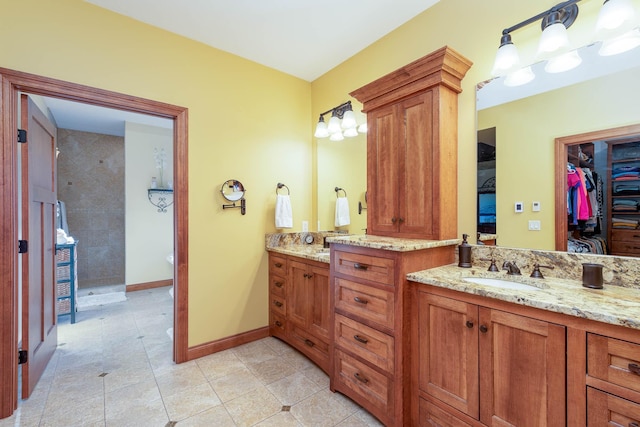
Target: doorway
column 14, row 83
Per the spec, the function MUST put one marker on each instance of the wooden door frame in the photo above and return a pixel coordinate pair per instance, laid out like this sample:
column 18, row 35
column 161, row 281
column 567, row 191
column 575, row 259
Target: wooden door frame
column 13, row 82
column 562, row 151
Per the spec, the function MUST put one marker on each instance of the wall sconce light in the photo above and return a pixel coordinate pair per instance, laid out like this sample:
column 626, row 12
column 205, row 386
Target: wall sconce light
column 616, row 27
column 342, row 123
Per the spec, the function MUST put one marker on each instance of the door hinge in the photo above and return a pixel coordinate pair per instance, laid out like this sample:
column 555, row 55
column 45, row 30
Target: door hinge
column 23, row 246
column 23, row 357
column 22, row 135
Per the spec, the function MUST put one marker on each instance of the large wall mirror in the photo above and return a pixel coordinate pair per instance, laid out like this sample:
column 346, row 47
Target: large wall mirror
column 582, row 113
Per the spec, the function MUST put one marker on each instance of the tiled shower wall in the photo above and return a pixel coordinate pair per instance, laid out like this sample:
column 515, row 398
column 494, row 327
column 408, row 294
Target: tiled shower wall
column 91, row 182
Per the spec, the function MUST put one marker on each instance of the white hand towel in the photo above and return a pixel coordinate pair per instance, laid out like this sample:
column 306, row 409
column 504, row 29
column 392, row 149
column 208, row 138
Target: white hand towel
column 342, row 212
column 284, row 216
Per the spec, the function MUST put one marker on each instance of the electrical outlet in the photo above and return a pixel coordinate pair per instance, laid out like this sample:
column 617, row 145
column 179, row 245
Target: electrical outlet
column 534, row 225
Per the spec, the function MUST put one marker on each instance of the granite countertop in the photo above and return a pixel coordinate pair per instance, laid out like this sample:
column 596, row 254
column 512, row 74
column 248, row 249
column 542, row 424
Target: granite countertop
column 616, row 305
column 391, row 243
column 312, row 252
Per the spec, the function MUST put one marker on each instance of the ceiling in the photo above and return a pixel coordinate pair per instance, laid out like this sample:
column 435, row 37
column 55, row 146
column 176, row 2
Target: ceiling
column 302, row 38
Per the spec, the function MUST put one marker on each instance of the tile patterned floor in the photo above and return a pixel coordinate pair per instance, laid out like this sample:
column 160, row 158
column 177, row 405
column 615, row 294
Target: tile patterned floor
column 113, row 368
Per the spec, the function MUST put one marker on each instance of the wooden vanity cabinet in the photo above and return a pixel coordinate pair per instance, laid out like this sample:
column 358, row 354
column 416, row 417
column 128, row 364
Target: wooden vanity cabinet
column 299, row 305
column 371, row 317
column 481, row 366
column 412, row 144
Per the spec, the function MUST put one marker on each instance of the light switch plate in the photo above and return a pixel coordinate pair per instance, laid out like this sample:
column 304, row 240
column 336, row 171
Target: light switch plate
column 519, row 207
column 535, row 206
column 534, row 225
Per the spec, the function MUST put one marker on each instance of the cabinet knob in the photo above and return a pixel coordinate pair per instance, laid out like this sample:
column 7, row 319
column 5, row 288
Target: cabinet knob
column 634, row 368
column 469, row 324
column 277, row 303
column 400, row 220
column 393, row 220
column 361, row 300
column 359, row 266
column 360, row 377
column 483, row 329
column 360, row 339
column 279, row 284
column 278, row 323
column 309, row 342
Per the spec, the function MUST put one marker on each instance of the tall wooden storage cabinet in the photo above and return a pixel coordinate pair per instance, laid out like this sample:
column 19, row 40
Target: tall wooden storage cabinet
column 412, row 147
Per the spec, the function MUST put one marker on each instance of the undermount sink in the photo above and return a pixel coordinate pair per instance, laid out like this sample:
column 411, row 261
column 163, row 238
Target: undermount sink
column 500, row 283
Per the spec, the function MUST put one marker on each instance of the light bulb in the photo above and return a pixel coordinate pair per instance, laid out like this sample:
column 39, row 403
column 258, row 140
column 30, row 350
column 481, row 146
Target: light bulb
column 617, row 16
column 565, row 62
column 351, row 132
column 507, row 57
column 362, row 128
column 321, row 129
column 337, row 136
column 349, row 120
column 620, row 44
column 554, row 39
column 334, row 125
column 520, row 77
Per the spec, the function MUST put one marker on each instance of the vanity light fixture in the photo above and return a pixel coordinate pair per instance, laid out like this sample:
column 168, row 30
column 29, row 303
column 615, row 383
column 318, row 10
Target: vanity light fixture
column 616, row 27
column 342, row 123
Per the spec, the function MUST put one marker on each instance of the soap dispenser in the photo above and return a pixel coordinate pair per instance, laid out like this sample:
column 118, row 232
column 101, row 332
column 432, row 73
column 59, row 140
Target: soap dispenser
column 464, row 253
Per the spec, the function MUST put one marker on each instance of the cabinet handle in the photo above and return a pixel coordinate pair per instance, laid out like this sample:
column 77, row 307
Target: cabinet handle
column 360, row 339
column 278, row 264
column 309, row 342
column 469, row 324
column 279, row 284
column 278, row 323
column 361, row 300
column 305, row 275
column 393, row 220
column 400, row 220
column 277, row 303
column 360, row 377
column 634, row 368
column 483, row 329
column 359, row 266
column 634, row 424
column 309, row 276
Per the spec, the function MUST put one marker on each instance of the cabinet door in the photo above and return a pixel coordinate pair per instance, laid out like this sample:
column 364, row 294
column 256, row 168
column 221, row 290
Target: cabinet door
column 319, row 310
column 415, row 188
column 522, row 371
column 298, row 295
column 604, row 409
column 448, row 346
column 383, row 146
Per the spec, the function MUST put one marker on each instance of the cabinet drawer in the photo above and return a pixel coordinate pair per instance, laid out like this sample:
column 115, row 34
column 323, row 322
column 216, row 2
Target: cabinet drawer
column 614, row 361
column 367, row 302
column 277, row 304
column 278, row 324
column 367, row 267
column 625, row 235
column 366, row 383
column 605, row 409
column 312, row 346
column 431, row 415
column 367, row 343
column 277, row 285
column 278, row 265
column 620, row 248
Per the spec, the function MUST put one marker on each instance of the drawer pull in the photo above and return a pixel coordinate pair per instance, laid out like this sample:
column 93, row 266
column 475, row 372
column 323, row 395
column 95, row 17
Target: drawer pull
column 278, row 264
column 277, row 303
column 360, row 339
column 279, row 284
column 361, row 300
column 360, row 378
column 634, row 424
column 634, row 368
column 469, row 324
column 278, row 323
column 309, row 342
column 483, row 329
column 359, row 266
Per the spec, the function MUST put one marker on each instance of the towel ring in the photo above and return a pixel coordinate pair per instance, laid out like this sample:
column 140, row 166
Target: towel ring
column 338, row 189
column 280, row 185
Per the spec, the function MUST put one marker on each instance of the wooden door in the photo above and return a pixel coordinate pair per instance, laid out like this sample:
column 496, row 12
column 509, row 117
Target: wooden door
column 448, row 351
column 522, row 371
column 39, row 319
column 416, row 186
column 319, row 311
column 383, row 172
column 298, row 296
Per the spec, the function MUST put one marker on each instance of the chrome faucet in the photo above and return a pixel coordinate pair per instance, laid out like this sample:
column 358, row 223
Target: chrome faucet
column 512, row 268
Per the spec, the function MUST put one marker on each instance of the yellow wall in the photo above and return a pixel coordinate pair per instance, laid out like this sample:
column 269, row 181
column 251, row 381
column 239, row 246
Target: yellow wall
column 525, row 140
